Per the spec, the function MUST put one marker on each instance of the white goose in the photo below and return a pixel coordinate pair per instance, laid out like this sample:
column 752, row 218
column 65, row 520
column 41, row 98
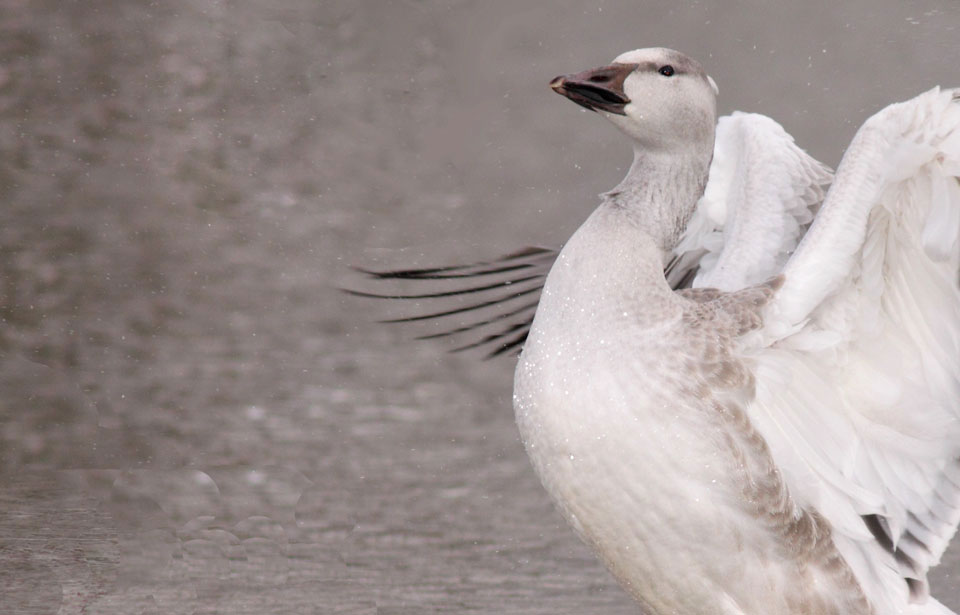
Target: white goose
column 783, row 437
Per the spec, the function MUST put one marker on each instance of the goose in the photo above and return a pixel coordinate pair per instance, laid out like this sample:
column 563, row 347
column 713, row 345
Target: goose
column 739, row 387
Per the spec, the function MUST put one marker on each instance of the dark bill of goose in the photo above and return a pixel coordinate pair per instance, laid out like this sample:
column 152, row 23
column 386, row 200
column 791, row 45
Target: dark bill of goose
column 596, row 89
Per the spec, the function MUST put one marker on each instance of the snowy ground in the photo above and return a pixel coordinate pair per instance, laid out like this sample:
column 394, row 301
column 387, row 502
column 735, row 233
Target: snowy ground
column 192, row 418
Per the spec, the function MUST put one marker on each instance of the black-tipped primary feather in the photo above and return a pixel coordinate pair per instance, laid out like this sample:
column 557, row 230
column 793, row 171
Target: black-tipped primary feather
column 498, row 300
column 523, row 308
column 493, row 337
column 683, row 268
column 442, row 273
column 533, row 262
column 449, row 293
column 515, row 343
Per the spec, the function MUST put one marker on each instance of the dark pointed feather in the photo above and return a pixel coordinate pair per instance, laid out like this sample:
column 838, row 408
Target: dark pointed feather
column 516, row 342
column 476, row 325
column 440, row 273
column 686, row 281
column 534, row 261
column 682, row 269
column 493, row 337
column 435, row 274
column 470, row 308
column 449, row 293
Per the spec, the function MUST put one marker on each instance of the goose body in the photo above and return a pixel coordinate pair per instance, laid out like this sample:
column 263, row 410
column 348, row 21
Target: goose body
column 752, row 447
column 742, row 391
column 639, row 434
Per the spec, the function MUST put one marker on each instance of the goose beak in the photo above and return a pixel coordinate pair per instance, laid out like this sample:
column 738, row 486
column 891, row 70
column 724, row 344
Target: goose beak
column 598, row 89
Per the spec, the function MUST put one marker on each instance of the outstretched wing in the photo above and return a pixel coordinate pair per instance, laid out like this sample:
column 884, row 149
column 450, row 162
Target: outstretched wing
column 495, row 300
column 760, row 197
column 858, row 377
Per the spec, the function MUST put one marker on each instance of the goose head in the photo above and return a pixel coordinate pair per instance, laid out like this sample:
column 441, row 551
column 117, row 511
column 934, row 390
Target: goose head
column 659, row 97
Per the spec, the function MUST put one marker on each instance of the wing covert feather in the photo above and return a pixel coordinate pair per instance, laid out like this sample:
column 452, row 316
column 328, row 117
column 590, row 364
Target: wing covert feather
column 762, row 193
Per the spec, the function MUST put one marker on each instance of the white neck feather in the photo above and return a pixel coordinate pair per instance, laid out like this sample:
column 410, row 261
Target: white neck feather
column 661, row 190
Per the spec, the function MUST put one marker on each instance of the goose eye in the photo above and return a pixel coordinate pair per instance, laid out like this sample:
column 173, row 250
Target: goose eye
column 666, row 71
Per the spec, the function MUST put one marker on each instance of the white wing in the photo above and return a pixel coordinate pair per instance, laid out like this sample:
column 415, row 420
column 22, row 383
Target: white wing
column 761, row 195
column 858, row 377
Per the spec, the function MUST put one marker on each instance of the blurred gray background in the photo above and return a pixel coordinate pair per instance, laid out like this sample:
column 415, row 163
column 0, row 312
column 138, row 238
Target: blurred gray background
column 193, row 419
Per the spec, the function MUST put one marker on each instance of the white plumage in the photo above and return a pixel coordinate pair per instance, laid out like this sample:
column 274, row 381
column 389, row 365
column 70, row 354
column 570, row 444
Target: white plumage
column 763, row 449
column 865, row 391
column 771, row 423
column 760, row 197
